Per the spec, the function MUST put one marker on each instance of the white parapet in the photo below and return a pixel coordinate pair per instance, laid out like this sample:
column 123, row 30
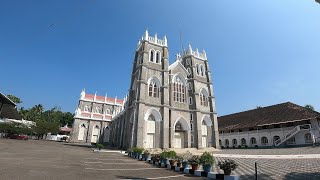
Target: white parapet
column 231, row 177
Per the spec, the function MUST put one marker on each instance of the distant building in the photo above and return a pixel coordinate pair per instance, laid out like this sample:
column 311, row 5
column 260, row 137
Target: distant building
column 285, row 124
column 8, row 109
column 92, row 118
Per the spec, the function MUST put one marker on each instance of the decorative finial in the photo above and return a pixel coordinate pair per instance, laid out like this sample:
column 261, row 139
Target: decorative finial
column 146, row 34
column 190, row 49
column 165, row 40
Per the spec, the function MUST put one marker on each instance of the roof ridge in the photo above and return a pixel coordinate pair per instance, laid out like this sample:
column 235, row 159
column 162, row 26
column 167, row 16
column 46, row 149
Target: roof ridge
column 259, row 108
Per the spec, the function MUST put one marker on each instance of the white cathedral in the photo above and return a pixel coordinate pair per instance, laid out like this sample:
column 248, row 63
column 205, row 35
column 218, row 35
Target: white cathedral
column 168, row 106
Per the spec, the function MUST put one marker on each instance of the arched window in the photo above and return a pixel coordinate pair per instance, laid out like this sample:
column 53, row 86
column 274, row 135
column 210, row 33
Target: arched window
column 98, row 110
column 151, row 56
column 234, row 142
column 227, row 142
column 154, row 87
column 178, row 126
column 253, row 141
column 86, row 108
column 158, row 57
column 264, row 140
column 204, row 97
column 188, row 62
column 275, row 138
column 202, row 71
column 243, row 142
column 189, row 72
column 291, row 140
column 179, row 89
column 197, row 69
column 189, row 86
column 308, row 138
column 190, row 100
column 108, row 111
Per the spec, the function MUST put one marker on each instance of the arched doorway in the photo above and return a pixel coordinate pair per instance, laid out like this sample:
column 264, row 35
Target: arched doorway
column 95, row 134
column 151, row 130
column 205, row 131
column 275, row 138
column 180, row 134
column 82, row 129
column 106, row 135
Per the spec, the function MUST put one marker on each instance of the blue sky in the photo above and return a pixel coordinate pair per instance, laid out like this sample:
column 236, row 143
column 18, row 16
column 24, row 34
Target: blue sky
column 260, row 52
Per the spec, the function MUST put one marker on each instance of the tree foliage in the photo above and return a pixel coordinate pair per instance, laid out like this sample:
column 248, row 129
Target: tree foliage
column 308, row 106
column 14, row 99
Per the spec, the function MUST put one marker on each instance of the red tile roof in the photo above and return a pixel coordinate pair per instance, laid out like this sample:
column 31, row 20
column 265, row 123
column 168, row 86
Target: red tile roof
column 279, row 113
column 102, row 98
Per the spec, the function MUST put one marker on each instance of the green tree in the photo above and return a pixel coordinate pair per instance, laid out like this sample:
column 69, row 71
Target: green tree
column 308, row 106
column 14, row 99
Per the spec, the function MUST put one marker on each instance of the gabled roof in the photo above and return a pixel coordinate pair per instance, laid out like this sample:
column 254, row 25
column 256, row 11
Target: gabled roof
column 4, row 99
column 178, row 63
column 9, row 111
column 275, row 114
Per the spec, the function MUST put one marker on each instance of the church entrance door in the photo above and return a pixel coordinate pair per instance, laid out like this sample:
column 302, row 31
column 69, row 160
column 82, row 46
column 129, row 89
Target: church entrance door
column 179, row 140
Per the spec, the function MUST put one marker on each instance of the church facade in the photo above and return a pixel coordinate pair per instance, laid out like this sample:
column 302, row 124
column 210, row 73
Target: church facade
column 168, row 106
column 92, row 118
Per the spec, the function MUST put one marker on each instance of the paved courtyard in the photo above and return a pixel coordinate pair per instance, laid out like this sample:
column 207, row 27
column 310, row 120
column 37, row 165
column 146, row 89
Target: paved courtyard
column 35, row 159
column 284, row 163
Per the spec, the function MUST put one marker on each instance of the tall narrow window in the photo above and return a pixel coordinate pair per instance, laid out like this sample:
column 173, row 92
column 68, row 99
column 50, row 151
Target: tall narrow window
column 190, row 100
column 179, row 89
column 204, row 97
column 86, row 108
column 154, row 85
column 197, row 69
column 157, row 57
column 151, row 56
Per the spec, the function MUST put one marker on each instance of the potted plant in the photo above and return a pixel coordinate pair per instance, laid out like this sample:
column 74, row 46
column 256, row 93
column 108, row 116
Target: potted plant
column 179, row 160
column 194, row 162
column 185, row 159
column 139, row 151
column 207, row 160
column 146, row 155
column 155, row 157
column 171, row 157
column 227, row 166
column 99, row 146
column 163, row 156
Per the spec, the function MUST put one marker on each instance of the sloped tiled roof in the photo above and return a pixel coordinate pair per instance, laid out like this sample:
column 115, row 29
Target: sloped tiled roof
column 9, row 111
column 279, row 113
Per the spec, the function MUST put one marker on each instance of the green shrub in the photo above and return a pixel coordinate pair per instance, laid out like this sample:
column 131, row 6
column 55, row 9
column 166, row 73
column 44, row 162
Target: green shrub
column 206, row 159
column 171, row 154
column 99, row 146
column 228, row 165
column 164, row 155
column 137, row 150
column 194, row 160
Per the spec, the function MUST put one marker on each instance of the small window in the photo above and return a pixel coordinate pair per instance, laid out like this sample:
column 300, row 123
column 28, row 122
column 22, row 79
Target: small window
column 234, row 142
column 98, row 110
column 227, row 142
column 190, row 100
column 253, row 141
column 308, row 138
column 189, row 72
column 86, row 108
column 264, row 140
column 291, row 140
column 191, row 126
column 243, row 142
column 188, row 62
column 189, row 85
column 108, row 111
column 191, row 117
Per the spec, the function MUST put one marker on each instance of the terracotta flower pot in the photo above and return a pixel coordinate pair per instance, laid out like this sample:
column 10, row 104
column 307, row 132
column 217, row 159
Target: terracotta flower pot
column 195, row 166
column 172, row 162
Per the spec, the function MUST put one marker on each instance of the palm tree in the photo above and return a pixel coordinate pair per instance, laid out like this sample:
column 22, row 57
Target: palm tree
column 39, row 108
